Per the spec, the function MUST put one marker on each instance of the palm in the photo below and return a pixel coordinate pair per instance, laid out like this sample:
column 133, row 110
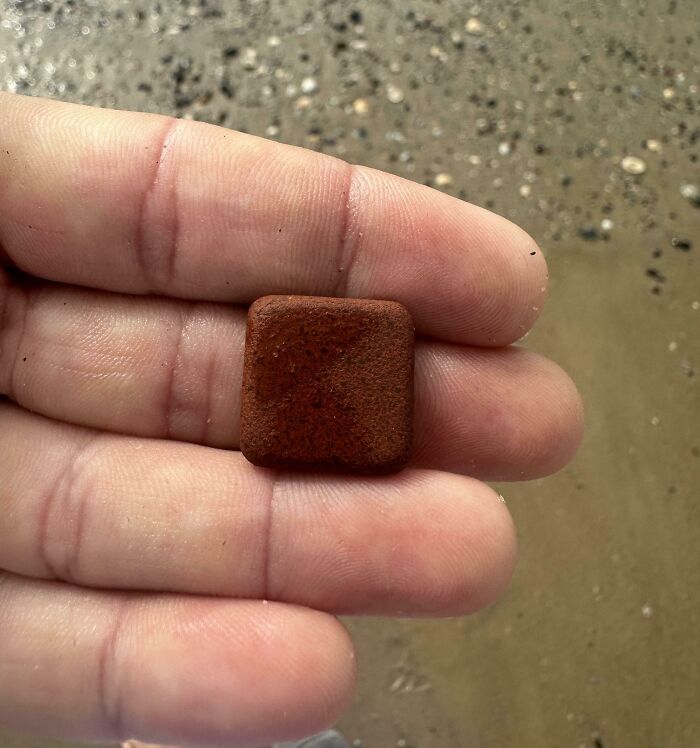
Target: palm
column 126, row 238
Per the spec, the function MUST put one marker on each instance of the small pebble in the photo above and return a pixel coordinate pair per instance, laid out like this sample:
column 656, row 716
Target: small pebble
column 302, row 103
column 633, row 165
column 656, row 275
column 443, row 180
column 394, row 94
column 474, row 27
column 249, row 58
column 691, row 192
column 309, row 85
column 685, row 245
column 647, row 611
column 589, row 233
column 655, row 146
column 525, row 190
column 607, row 225
column 504, row 149
column 361, row 107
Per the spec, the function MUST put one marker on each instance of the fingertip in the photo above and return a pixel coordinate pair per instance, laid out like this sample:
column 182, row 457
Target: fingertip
column 329, row 653
column 553, row 423
column 496, row 561
column 463, row 548
column 568, row 428
column 467, row 274
column 487, row 535
column 516, row 278
column 233, row 672
column 501, row 414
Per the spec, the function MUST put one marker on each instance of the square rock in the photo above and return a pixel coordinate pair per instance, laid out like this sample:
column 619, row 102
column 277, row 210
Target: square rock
column 328, row 384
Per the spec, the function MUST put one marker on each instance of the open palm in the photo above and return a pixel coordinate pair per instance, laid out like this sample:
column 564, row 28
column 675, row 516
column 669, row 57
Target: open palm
column 153, row 583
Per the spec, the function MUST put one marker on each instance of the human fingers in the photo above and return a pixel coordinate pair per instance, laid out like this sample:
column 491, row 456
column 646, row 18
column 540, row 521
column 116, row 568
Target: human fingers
column 117, row 512
column 170, row 369
column 146, row 204
column 103, row 666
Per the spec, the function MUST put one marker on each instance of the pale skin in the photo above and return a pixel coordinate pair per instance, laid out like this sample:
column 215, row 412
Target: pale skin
column 153, row 583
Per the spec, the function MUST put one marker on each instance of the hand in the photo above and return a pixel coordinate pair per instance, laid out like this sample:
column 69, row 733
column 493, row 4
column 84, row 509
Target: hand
column 139, row 550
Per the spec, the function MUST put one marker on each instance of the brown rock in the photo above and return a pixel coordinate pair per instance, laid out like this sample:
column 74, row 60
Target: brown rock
column 328, row 384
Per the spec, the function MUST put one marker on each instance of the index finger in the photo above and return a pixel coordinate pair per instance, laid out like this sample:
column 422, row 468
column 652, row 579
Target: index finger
column 142, row 203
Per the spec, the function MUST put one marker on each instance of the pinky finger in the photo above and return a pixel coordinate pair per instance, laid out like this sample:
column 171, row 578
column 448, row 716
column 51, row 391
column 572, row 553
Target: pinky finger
column 105, row 667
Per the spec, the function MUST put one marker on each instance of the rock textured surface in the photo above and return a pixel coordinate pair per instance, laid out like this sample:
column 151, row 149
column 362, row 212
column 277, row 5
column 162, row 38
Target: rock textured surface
column 328, row 384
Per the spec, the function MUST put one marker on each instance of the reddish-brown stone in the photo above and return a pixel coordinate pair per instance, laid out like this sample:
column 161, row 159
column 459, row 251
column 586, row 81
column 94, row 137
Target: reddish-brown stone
column 328, row 384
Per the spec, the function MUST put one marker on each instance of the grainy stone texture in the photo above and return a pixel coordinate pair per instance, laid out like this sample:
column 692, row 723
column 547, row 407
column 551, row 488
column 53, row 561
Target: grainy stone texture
column 528, row 107
column 328, row 384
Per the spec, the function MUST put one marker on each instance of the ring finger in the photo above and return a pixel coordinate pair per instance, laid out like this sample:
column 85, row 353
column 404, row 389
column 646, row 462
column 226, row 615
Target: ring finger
column 109, row 511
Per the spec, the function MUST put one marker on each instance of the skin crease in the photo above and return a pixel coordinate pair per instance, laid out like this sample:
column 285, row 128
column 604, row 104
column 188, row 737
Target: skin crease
column 154, row 584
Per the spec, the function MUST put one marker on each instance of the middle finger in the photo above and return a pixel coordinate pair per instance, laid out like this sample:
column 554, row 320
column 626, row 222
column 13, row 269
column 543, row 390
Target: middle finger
column 171, row 369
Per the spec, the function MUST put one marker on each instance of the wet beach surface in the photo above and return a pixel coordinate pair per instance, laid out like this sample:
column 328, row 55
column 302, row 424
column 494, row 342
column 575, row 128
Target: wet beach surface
column 580, row 121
